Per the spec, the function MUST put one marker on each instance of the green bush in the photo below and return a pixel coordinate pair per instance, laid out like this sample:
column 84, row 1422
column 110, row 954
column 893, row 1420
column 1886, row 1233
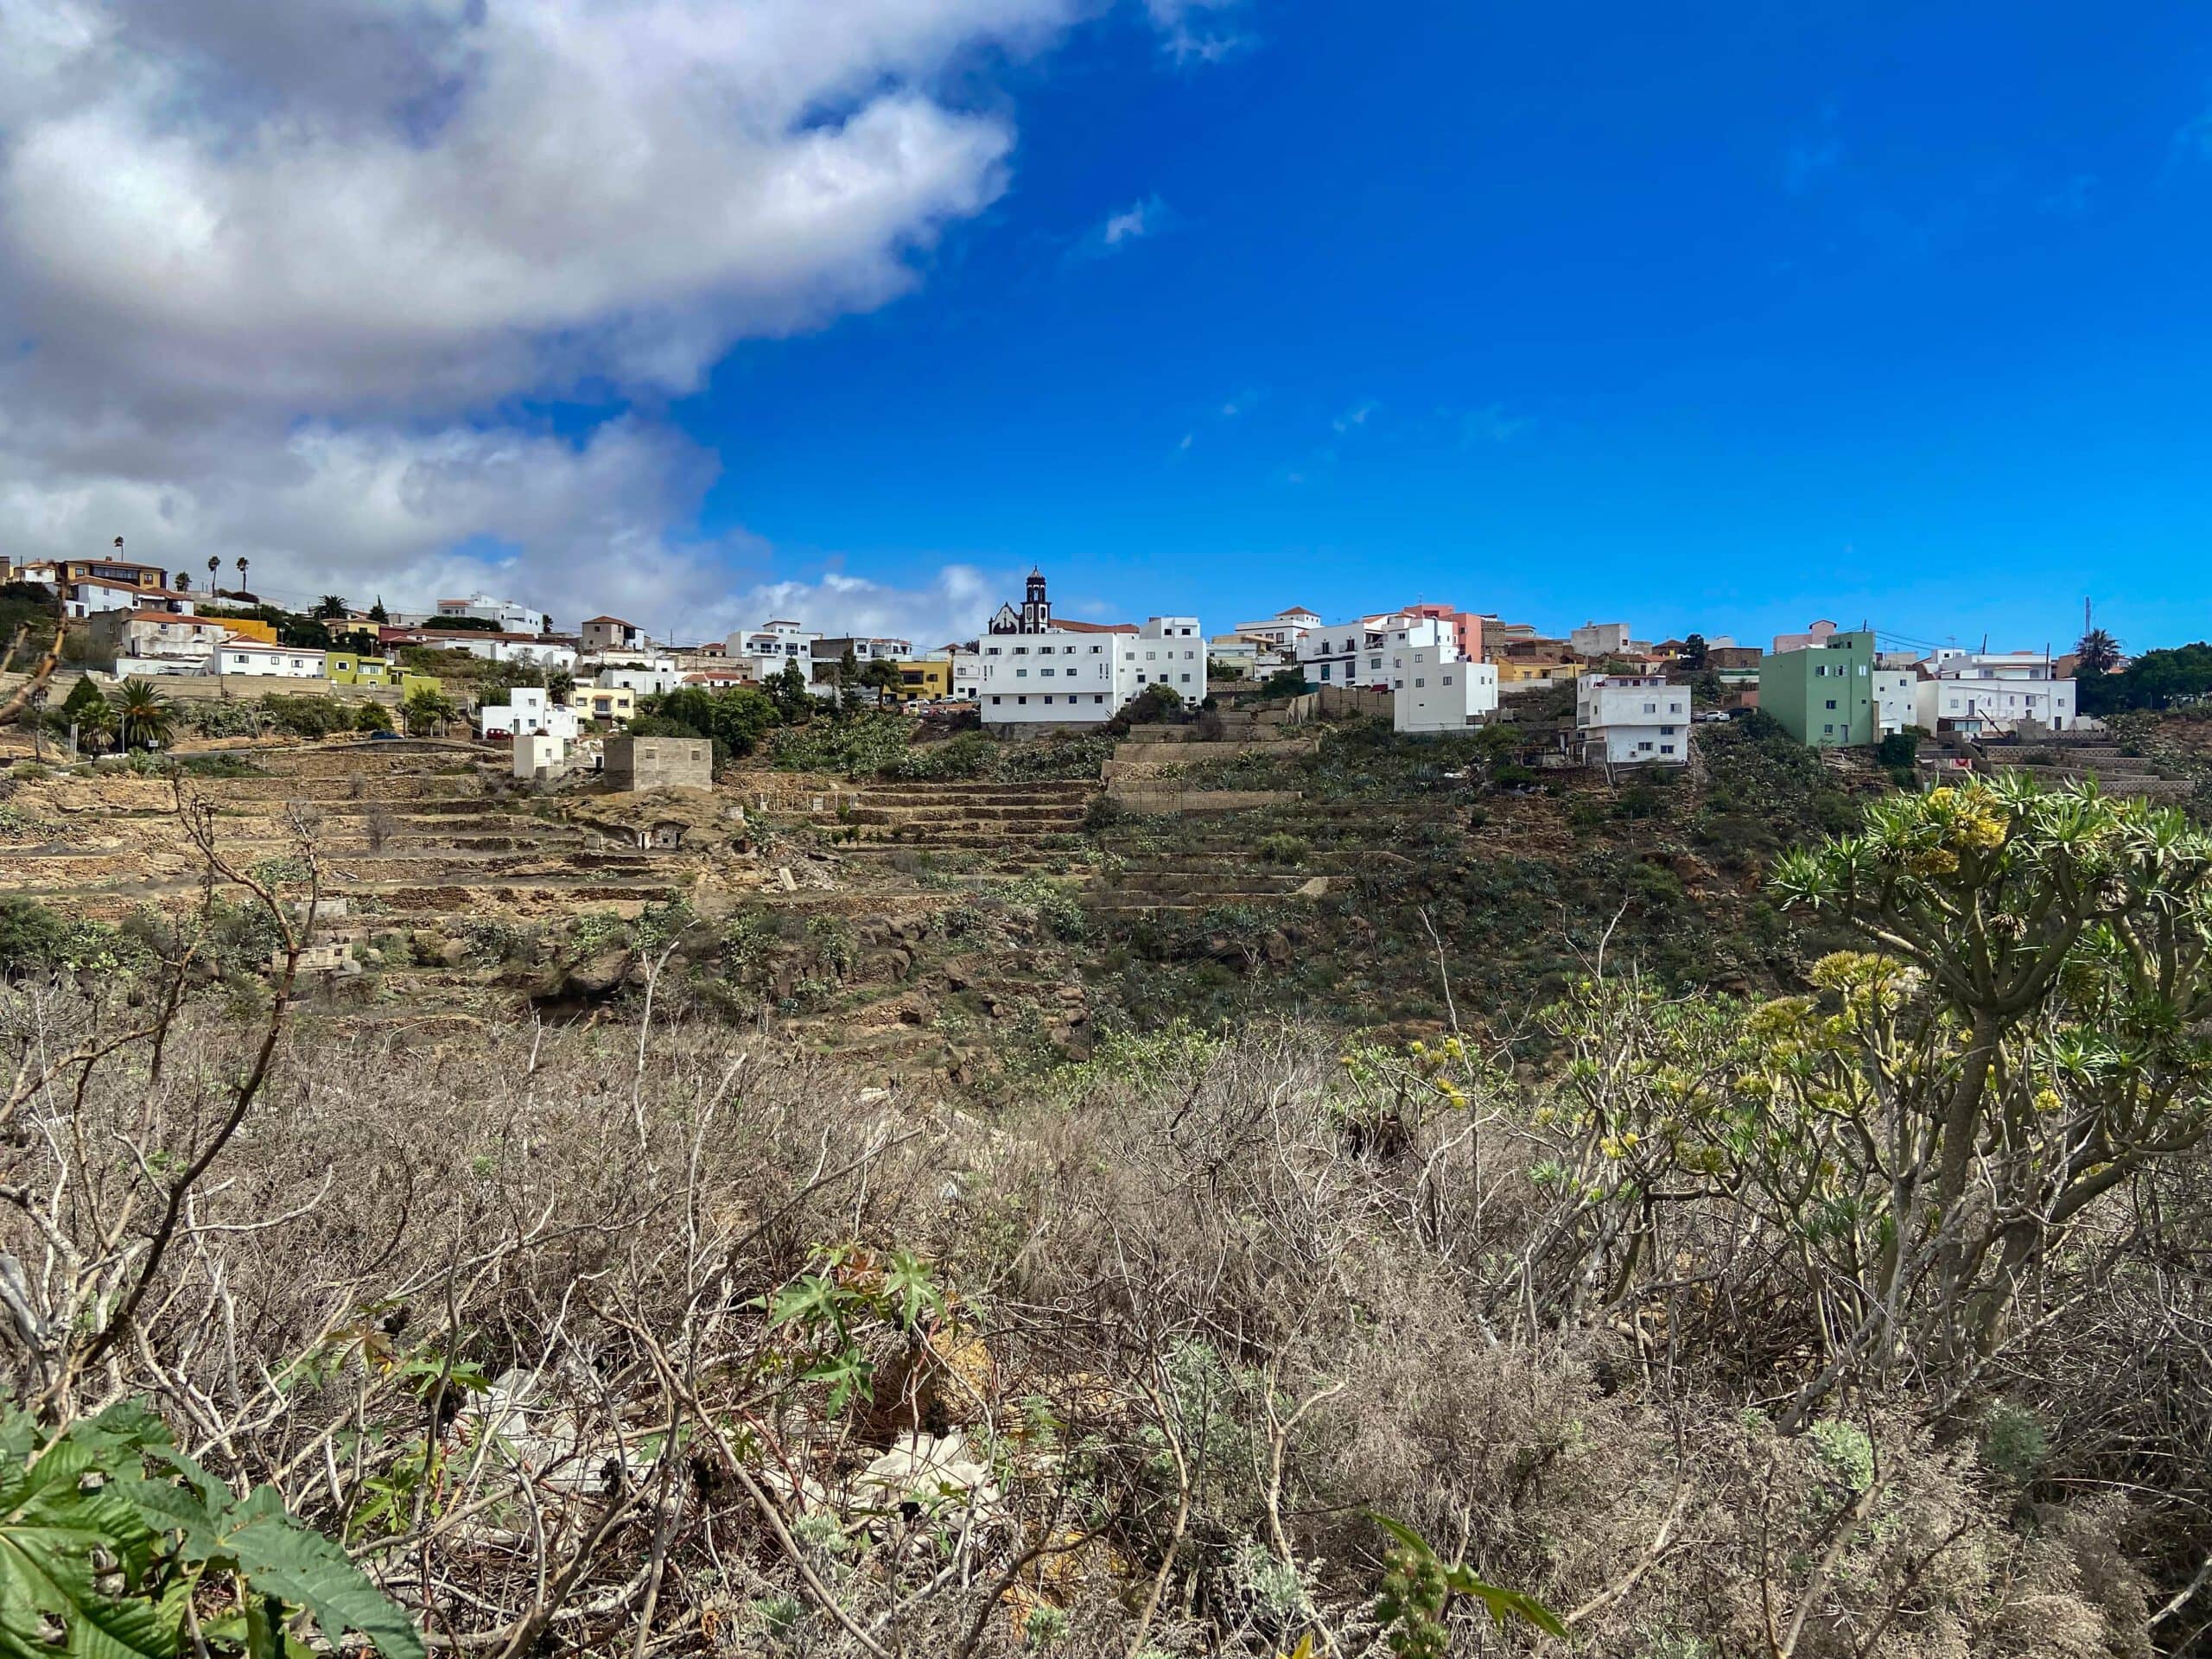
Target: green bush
column 372, row 717
column 1897, row 749
column 1281, row 848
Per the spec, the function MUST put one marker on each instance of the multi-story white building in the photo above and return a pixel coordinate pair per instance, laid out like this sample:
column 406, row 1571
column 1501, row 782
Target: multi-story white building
column 1632, row 720
column 1988, row 691
column 1598, row 640
column 506, row 615
column 1442, row 692
column 1371, row 651
column 1283, row 629
column 284, row 662
column 1030, row 669
column 765, row 652
column 529, row 711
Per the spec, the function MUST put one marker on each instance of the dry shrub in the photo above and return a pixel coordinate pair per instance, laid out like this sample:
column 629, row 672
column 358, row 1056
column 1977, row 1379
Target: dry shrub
column 1213, row 1334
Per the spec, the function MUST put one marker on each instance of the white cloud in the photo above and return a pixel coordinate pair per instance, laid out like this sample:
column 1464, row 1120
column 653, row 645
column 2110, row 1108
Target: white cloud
column 1137, row 220
column 1198, row 31
column 1357, row 415
column 953, row 604
column 271, row 273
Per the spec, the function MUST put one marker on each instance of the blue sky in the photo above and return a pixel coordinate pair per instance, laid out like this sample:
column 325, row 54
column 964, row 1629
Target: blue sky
column 1718, row 315
column 1722, row 316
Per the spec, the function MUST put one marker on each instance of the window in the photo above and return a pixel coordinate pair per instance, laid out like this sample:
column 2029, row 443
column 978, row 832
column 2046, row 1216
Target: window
column 1098, row 697
column 1666, row 731
column 1186, row 679
column 1325, row 671
column 1419, row 683
column 1650, row 708
column 1828, row 731
column 1023, row 674
column 1375, row 662
column 1666, row 748
column 998, row 700
column 1447, row 679
column 1022, row 650
column 1021, row 700
column 1048, row 699
column 1046, row 672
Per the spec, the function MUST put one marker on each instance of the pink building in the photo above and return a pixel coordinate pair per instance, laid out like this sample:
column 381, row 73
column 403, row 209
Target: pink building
column 1815, row 635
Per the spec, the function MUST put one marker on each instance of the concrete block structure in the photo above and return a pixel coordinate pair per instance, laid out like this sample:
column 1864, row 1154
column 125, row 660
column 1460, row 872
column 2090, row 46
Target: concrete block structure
column 1823, row 693
column 636, row 763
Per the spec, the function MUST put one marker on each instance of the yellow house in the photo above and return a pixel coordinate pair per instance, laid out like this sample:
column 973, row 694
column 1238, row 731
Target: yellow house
column 351, row 668
column 921, row 678
column 609, row 702
column 1513, row 673
column 248, row 627
column 410, row 683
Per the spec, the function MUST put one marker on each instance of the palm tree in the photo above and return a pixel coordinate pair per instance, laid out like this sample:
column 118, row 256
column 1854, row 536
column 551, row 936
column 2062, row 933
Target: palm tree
column 241, row 571
column 141, row 714
column 328, row 607
column 184, row 581
column 2096, row 652
column 213, row 565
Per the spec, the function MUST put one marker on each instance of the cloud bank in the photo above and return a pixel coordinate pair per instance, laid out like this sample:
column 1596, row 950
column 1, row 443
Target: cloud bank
column 277, row 279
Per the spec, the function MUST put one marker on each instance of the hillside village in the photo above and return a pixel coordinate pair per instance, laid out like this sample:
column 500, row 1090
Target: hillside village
column 965, row 861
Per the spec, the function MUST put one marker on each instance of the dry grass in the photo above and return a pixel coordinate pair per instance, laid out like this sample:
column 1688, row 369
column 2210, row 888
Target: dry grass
column 1197, row 1320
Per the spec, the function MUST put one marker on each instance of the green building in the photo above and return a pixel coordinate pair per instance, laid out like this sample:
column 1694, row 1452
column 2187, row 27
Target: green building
column 1823, row 695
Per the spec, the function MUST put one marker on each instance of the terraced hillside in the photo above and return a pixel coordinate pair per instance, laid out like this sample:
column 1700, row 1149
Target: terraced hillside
column 403, row 830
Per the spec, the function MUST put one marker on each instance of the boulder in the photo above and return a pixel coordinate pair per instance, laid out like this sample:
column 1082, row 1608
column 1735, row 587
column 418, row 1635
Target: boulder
column 597, row 975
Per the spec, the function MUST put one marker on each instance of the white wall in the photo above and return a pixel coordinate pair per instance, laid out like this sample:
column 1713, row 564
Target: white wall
column 1597, row 639
column 1059, row 678
column 273, row 660
column 645, row 682
column 1632, row 722
column 528, row 711
column 1054, row 677
column 1441, row 691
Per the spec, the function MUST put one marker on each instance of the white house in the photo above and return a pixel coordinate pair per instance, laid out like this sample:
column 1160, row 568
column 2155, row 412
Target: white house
column 1598, row 640
column 285, row 662
column 656, row 678
column 154, row 642
column 1897, row 699
column 493, row 647
column 1632, row 720
column 84, row 596
column 1370, row 652
column 1030, row 669
column 509, row 616
column 765, row 652
column 1976, row 692
column 1441, row 691
column 1283, row 629
column 529, row 711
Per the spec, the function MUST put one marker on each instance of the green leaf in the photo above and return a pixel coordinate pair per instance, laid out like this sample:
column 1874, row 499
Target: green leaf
column 1503, row 1603
column 57, row 1510
column 277, row 1556
column 808, row 1301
